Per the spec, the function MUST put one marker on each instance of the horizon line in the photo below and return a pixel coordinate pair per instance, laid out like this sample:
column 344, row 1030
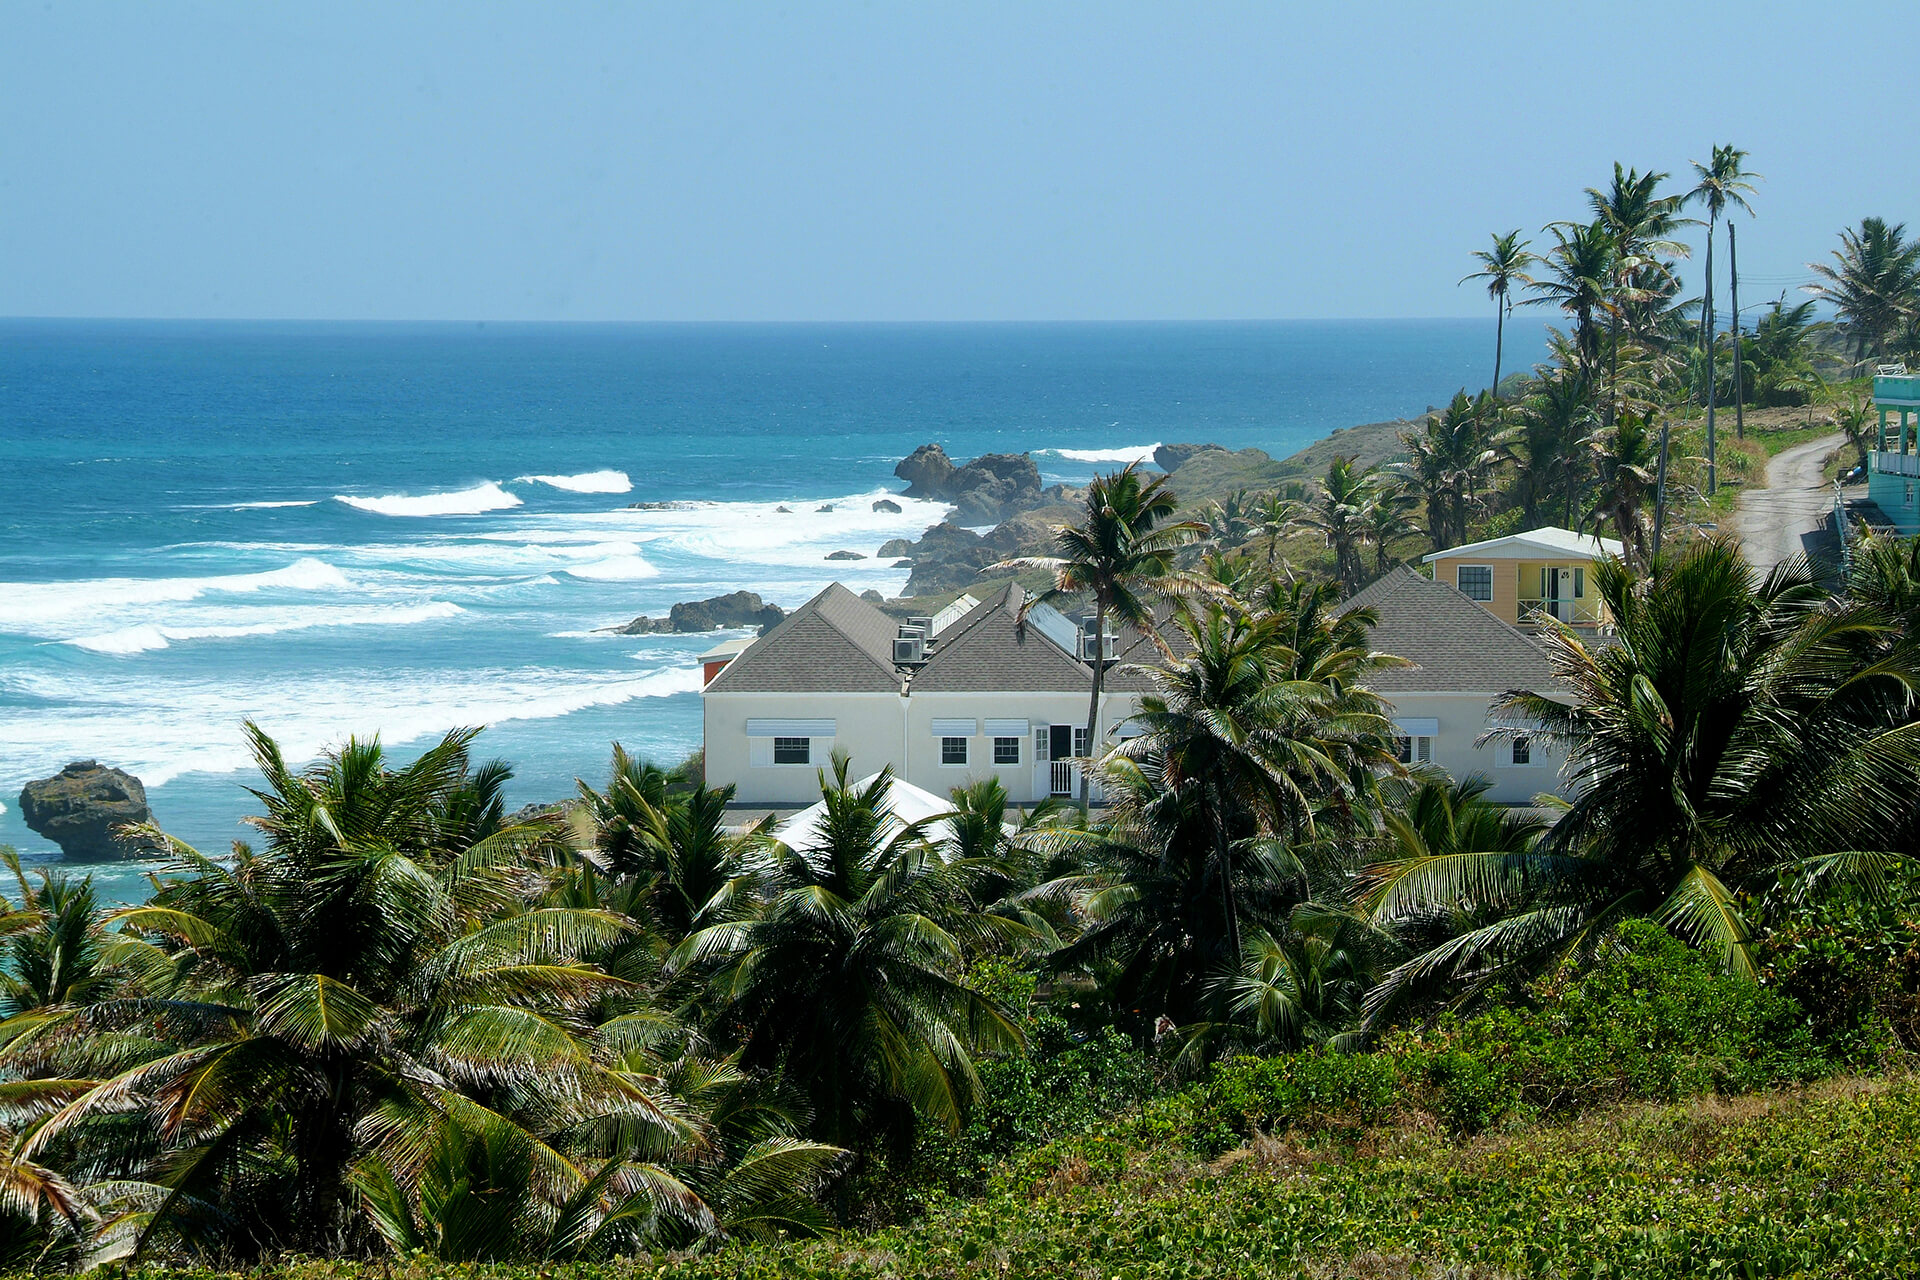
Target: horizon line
column 484, row 321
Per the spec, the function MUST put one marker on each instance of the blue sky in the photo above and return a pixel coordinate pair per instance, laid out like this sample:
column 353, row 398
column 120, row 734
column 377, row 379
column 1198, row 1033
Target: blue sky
column 890, row 161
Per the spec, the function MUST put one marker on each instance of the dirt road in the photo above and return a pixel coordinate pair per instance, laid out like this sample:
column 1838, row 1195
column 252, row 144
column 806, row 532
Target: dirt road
column 1785, row 518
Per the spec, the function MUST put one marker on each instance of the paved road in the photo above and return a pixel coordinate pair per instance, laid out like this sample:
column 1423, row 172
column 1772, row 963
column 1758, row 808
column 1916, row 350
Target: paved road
column 1785, row 518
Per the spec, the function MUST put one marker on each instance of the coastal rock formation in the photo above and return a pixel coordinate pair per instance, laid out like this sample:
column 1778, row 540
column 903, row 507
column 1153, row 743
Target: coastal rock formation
column 845, row 555
column 948, row 557
column 80, row 808
column 895, row 547
column 887, row 505
column 991, row 487
column 735, row 609
column 1171, row 457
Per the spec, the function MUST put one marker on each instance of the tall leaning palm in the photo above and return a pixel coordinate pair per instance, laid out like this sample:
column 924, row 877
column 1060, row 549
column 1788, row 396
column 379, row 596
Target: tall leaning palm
column 1722, row 184
column 1342, row 513
column 1739, row 736
column 1579, row 279
column 1122, row 555
column 1503, row 266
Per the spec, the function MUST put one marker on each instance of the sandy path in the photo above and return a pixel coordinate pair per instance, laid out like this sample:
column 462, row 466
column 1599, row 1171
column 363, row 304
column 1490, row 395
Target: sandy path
column 1782, row 519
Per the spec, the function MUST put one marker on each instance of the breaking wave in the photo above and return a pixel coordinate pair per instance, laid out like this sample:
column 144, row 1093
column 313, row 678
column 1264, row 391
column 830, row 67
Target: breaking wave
column 465, row 502
column 148, row 637
column 1131, row 453
column 586, row 482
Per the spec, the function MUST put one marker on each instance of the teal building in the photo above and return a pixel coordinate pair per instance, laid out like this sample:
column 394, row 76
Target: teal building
column 1893, row 469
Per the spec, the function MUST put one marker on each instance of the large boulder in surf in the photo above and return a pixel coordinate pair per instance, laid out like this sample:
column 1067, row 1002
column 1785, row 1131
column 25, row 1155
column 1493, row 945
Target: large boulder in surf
column 735, row 609
column 81, row 809
column 991, row 487
column 928, row 471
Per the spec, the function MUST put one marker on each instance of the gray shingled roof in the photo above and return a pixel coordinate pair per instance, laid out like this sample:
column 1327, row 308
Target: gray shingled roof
column 988, row 650
column 834, row 643
column 1456, row 645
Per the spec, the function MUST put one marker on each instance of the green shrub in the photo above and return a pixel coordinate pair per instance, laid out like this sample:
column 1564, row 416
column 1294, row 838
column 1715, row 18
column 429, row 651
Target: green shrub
column 1338, row 1095
column 1854, row 966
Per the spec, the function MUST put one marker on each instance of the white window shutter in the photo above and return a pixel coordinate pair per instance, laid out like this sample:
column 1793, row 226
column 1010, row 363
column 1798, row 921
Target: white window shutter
column 760, row 753
column 1039, row 743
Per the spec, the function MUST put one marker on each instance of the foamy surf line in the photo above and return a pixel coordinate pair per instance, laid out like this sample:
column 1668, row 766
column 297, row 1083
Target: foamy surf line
column 464, row 502
column 586, row 482
column 145, row 639
column 159, row 734
column 1130, row 453
column 40, row 602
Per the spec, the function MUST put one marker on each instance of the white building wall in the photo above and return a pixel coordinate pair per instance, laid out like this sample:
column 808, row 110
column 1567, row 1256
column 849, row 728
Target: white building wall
column 868, row 726
column 878, row 729
column 1026, row 782
column 1460, row 720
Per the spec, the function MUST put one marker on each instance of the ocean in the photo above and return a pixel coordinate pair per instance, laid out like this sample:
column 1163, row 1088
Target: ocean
column 360, row 529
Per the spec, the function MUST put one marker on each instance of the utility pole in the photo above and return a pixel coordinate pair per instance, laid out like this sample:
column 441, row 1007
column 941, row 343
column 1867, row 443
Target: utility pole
column 1713, row 389
column 1733, row 283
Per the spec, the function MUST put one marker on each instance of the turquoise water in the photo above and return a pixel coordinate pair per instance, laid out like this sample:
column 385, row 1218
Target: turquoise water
column 385, row 529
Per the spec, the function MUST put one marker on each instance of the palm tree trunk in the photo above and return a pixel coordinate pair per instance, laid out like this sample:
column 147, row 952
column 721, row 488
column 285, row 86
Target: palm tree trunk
column 1733, row 284
column 1093, row 705
column 1660, row 488
column 1499, row 338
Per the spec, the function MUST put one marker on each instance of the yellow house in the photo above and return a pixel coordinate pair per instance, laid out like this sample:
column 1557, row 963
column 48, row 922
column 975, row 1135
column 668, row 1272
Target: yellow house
column 1524, row 577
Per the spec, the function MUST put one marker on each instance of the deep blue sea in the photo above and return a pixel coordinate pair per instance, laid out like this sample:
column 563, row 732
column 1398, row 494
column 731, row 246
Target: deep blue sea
column 395, row 529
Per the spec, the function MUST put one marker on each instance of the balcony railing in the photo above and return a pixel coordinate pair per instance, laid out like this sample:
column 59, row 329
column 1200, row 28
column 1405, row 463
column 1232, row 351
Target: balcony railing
column 1894, row 464
column 1897, row 388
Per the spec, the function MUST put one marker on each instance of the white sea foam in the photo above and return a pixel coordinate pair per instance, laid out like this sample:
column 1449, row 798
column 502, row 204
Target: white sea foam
column 30, row 605
column 148, row 637
column 1130, row 453
column 466, row 502
column 613, row 569
column 585, row 482
column 158, row 732
column 263, row 506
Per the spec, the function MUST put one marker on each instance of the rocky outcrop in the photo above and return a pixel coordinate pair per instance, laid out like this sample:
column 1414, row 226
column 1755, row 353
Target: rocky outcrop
column 990, row 488
column 845, row 555
column 895, row 547
column 1171, row 457
column 948, row 557
column 887, row 505
column 81, row 808
column 735, row 609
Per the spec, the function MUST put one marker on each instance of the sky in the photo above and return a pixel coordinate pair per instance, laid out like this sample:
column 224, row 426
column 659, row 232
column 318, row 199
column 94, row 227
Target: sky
column 905, row 160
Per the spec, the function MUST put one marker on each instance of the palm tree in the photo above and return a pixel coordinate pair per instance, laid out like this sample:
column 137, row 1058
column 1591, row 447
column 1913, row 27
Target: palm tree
column 1643, row 224
column 366, row 994
column 1388, row 518
column 1580, row 280
column 1274, row 517
column 1449, row 460
column 1502, row 267
column 55, row 953
column 849, row 981
column 1122, row 555
column 1738, row 737
column 1341, row 513
column 1545, row 445
column 1856, row 420
column 1722, row 182
column 1874, row 283
column 1624, row 463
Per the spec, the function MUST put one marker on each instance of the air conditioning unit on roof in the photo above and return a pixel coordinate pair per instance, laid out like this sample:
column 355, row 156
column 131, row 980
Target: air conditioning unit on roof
column 1094, row 647
column 910, row 647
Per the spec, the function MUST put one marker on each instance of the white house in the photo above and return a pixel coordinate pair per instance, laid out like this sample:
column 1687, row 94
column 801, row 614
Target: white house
column 967, row 694
column 1463, row 659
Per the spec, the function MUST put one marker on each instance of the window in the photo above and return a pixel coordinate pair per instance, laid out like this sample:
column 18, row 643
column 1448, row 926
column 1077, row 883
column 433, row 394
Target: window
column 793, row 750
column 1476, row 581
column 953, row 751
column 1080, row 742
column 1522, row 751
column 1579, row 582
column 1006, row 751
column 1413, row 750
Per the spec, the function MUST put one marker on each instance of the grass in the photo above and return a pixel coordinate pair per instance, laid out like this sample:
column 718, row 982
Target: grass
column 1812, row 1182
